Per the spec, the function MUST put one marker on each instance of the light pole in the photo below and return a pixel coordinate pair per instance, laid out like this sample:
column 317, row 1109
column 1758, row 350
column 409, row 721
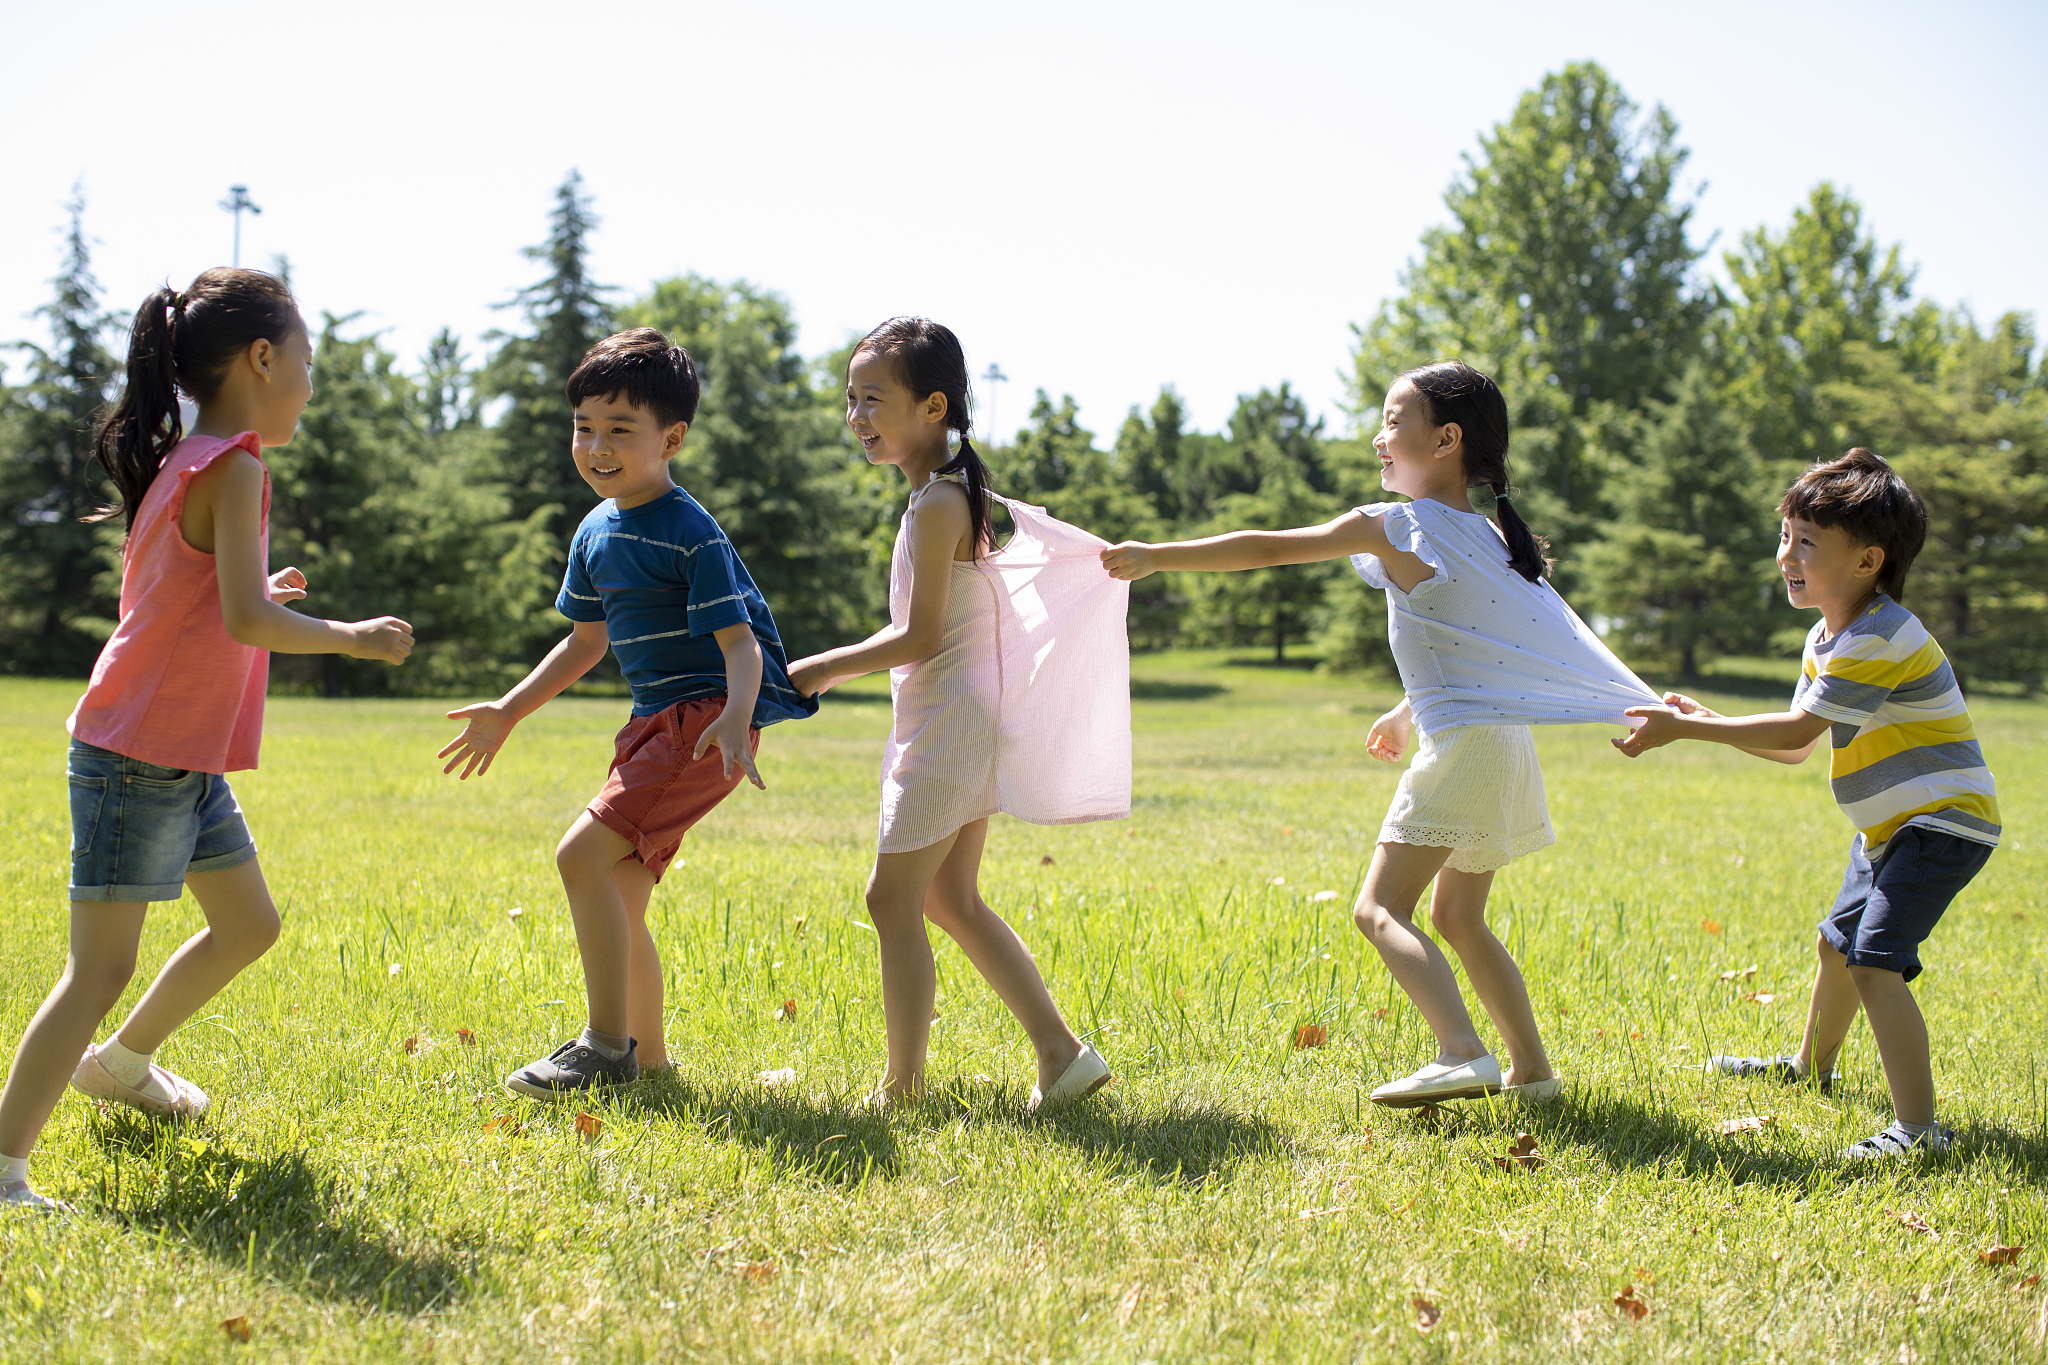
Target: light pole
column 993, row 376
column 237, row 200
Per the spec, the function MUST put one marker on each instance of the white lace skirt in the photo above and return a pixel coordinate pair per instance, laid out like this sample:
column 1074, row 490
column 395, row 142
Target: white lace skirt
column 1475, row 789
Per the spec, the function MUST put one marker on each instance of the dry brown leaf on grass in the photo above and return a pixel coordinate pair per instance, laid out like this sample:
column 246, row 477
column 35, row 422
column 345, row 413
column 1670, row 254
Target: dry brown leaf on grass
column 1427, row 1314
column 1379, row 1013
column 1046, row 861
column 1999, row 1255
column 1749, row 1123
column 411, row 1045
column 786, row 1011
column 467, row 1035
column 588, row 1126
column 1631, row 1307
column 2026, row 1284
column 1129, row 1305
column 1711, row 926
column 1759, row 997
column 1522, row 1156
column 1915, row 1222
column 756, row 1270
column 236, row 1329
column 508, row 1124
column 1743, row 975
column 776, row 1079
column 1311, row 1035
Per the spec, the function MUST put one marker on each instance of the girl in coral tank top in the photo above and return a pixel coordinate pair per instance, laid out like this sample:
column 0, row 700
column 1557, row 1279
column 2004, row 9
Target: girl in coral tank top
column 176, row 698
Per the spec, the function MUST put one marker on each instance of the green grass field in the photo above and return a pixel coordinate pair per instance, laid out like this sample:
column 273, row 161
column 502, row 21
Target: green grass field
column 352, row 1195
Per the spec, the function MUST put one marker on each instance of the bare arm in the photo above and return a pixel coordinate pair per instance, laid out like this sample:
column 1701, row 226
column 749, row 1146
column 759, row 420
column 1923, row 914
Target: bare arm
column 223, row 515
column 1354, row 533
column 1786, row 737
column 490, row 722
column 742, row 689
column 937, row 530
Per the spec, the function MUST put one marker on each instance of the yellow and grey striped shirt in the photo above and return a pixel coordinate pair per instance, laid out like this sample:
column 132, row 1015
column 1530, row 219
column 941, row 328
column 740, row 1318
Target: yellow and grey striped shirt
column 1904, row 750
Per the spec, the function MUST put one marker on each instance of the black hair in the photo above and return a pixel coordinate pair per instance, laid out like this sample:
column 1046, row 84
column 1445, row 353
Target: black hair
column 1455, row 392
column 182, row 341
column 928, row 359
column 641, row 365
column 1860, row 494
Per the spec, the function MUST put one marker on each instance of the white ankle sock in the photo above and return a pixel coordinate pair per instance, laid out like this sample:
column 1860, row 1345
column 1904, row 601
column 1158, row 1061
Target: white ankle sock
column 612, row 1048
column 1913, row 1130
column 132, row 1069
column 13, row 1168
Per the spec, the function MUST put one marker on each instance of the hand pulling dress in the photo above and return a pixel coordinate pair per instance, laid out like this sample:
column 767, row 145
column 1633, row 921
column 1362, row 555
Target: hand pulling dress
column 1483, row 655
column 1026, row 706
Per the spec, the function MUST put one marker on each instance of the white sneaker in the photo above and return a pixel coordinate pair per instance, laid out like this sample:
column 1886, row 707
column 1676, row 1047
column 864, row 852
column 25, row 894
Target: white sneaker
column 1435, row 1083
column 1085, row 1075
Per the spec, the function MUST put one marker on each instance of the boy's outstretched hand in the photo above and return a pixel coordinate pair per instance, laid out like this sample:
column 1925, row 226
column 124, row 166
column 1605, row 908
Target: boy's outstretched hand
column 1130, row 559
column 1659, row 726
column 731, row 733
column 488, row 729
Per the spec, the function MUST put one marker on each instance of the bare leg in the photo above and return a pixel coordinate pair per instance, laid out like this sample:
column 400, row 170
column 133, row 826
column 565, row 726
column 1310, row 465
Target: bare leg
column 954, row 903
column 241, row 924
column 1458, row 910
column 896, row 899
column 1901, row 1036
column 1829, row 1012
column 643, row 973
column 586, row 857
column 1385, row 915
column 104, row 935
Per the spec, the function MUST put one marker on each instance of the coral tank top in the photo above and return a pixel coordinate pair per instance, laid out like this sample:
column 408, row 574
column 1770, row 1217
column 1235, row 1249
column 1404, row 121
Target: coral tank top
column 171, row 685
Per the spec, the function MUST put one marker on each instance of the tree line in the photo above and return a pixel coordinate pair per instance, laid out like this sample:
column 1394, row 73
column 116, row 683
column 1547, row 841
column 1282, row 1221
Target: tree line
column 1658, row 412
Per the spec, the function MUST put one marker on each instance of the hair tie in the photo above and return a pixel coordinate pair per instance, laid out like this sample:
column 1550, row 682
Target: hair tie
column 177, row 303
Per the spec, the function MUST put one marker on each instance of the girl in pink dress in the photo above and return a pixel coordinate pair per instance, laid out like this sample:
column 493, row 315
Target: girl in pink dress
column 176, row 698
column 1010, row 681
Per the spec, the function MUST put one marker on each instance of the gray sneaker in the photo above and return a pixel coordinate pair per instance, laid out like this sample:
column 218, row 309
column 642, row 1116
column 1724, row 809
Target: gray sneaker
column 1894, row 1143
column 1784, row 1070
column 575, row 1068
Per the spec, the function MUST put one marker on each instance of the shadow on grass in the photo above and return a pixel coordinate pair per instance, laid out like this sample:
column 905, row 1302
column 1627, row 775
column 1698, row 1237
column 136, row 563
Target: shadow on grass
column 833, row 1143
column 1160, row 689
column 1186, row 1142
column 277, row 1216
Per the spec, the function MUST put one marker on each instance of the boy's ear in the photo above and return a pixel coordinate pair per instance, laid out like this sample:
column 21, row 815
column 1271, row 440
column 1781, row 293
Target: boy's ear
column 1870, row 563
column 672, row 439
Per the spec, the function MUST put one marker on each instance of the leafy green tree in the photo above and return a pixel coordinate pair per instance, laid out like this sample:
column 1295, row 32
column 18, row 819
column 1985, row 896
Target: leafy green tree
column 57, row 598
column 1800, row 299
column 448, row 394
column 1565, row 273
column 567, row 314
column 1681, row 569
column 1971, row 437
column 770, row 458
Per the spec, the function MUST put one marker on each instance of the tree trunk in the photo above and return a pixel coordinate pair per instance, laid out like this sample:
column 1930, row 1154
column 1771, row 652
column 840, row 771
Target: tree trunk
column 330, row 674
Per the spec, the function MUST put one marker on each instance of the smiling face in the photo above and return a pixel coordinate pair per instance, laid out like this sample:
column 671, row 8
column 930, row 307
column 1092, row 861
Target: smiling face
column 622, row 451
column 1827, row 569
column 1418, row 458
column 893, row 425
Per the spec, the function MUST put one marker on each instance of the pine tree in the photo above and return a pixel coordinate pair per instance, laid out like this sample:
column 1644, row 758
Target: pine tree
column 567, row 314
column 57, row 594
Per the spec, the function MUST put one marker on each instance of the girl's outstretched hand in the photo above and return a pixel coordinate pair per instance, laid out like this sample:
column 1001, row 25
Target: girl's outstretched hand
column 808, row 678
column 730, row 733
column 1131, row 559
column 382, row 637
column 488, row 729
column 1390, row 734
column 287, row 585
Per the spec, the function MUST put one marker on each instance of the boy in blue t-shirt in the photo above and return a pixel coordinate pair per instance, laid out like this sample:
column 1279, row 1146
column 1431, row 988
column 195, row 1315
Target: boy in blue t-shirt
column 652, row 577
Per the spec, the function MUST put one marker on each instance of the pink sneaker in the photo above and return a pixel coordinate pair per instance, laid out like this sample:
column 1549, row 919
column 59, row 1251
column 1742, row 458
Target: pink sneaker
column 93, row 1078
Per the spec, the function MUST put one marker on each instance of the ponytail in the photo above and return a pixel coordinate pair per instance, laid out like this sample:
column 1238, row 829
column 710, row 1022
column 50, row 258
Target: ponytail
column 182, row 341
column 929, row 360
column 1455, row 392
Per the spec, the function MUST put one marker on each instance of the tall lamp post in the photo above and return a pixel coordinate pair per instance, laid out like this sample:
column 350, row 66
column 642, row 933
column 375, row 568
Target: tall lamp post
column 237, row 200
column 993, row 376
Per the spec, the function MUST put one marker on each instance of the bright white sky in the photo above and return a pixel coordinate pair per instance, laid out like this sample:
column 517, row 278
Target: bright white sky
column 1100, row 197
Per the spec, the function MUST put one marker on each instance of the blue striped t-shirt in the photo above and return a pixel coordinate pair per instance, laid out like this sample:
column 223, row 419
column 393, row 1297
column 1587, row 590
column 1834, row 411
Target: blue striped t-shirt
column 663, row 577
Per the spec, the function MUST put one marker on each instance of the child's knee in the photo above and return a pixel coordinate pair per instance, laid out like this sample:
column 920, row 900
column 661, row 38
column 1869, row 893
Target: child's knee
column 99, row 981
column 1452, row 923
column 1830, row 956
column 263, row 931
column 1374, row 920
column 1869, row 978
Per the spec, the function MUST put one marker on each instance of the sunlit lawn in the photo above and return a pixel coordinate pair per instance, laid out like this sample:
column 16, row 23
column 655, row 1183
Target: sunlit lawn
column 353, row 1197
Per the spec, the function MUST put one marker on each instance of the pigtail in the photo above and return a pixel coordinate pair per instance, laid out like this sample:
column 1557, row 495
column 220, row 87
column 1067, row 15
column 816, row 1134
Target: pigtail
column 1455, row 392
column 970, row 464
column 182, row 341
column 137, row 432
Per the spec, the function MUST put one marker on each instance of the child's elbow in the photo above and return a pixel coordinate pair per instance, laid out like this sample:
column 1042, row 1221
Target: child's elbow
column 244, row 627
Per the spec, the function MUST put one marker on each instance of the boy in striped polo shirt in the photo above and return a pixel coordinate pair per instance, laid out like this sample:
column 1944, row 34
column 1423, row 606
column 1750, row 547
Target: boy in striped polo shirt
column 1905, row 769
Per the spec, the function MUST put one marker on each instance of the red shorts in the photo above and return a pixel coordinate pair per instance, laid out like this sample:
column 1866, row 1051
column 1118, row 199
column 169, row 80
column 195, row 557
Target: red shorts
column 655, row 791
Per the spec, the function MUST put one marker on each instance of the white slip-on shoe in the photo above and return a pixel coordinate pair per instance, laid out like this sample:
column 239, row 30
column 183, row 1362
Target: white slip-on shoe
column 1435, row 1083
column 1535, row 1092
column 1085, row 1075
column 92, row 1078
column 19, row 1194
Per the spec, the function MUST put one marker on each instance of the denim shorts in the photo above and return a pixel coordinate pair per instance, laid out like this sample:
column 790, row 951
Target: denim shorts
column 137, row 828
column 1886, row 909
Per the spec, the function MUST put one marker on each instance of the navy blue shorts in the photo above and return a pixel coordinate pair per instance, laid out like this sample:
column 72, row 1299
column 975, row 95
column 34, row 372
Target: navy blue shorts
column 137, row 828
column 1885, row 911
